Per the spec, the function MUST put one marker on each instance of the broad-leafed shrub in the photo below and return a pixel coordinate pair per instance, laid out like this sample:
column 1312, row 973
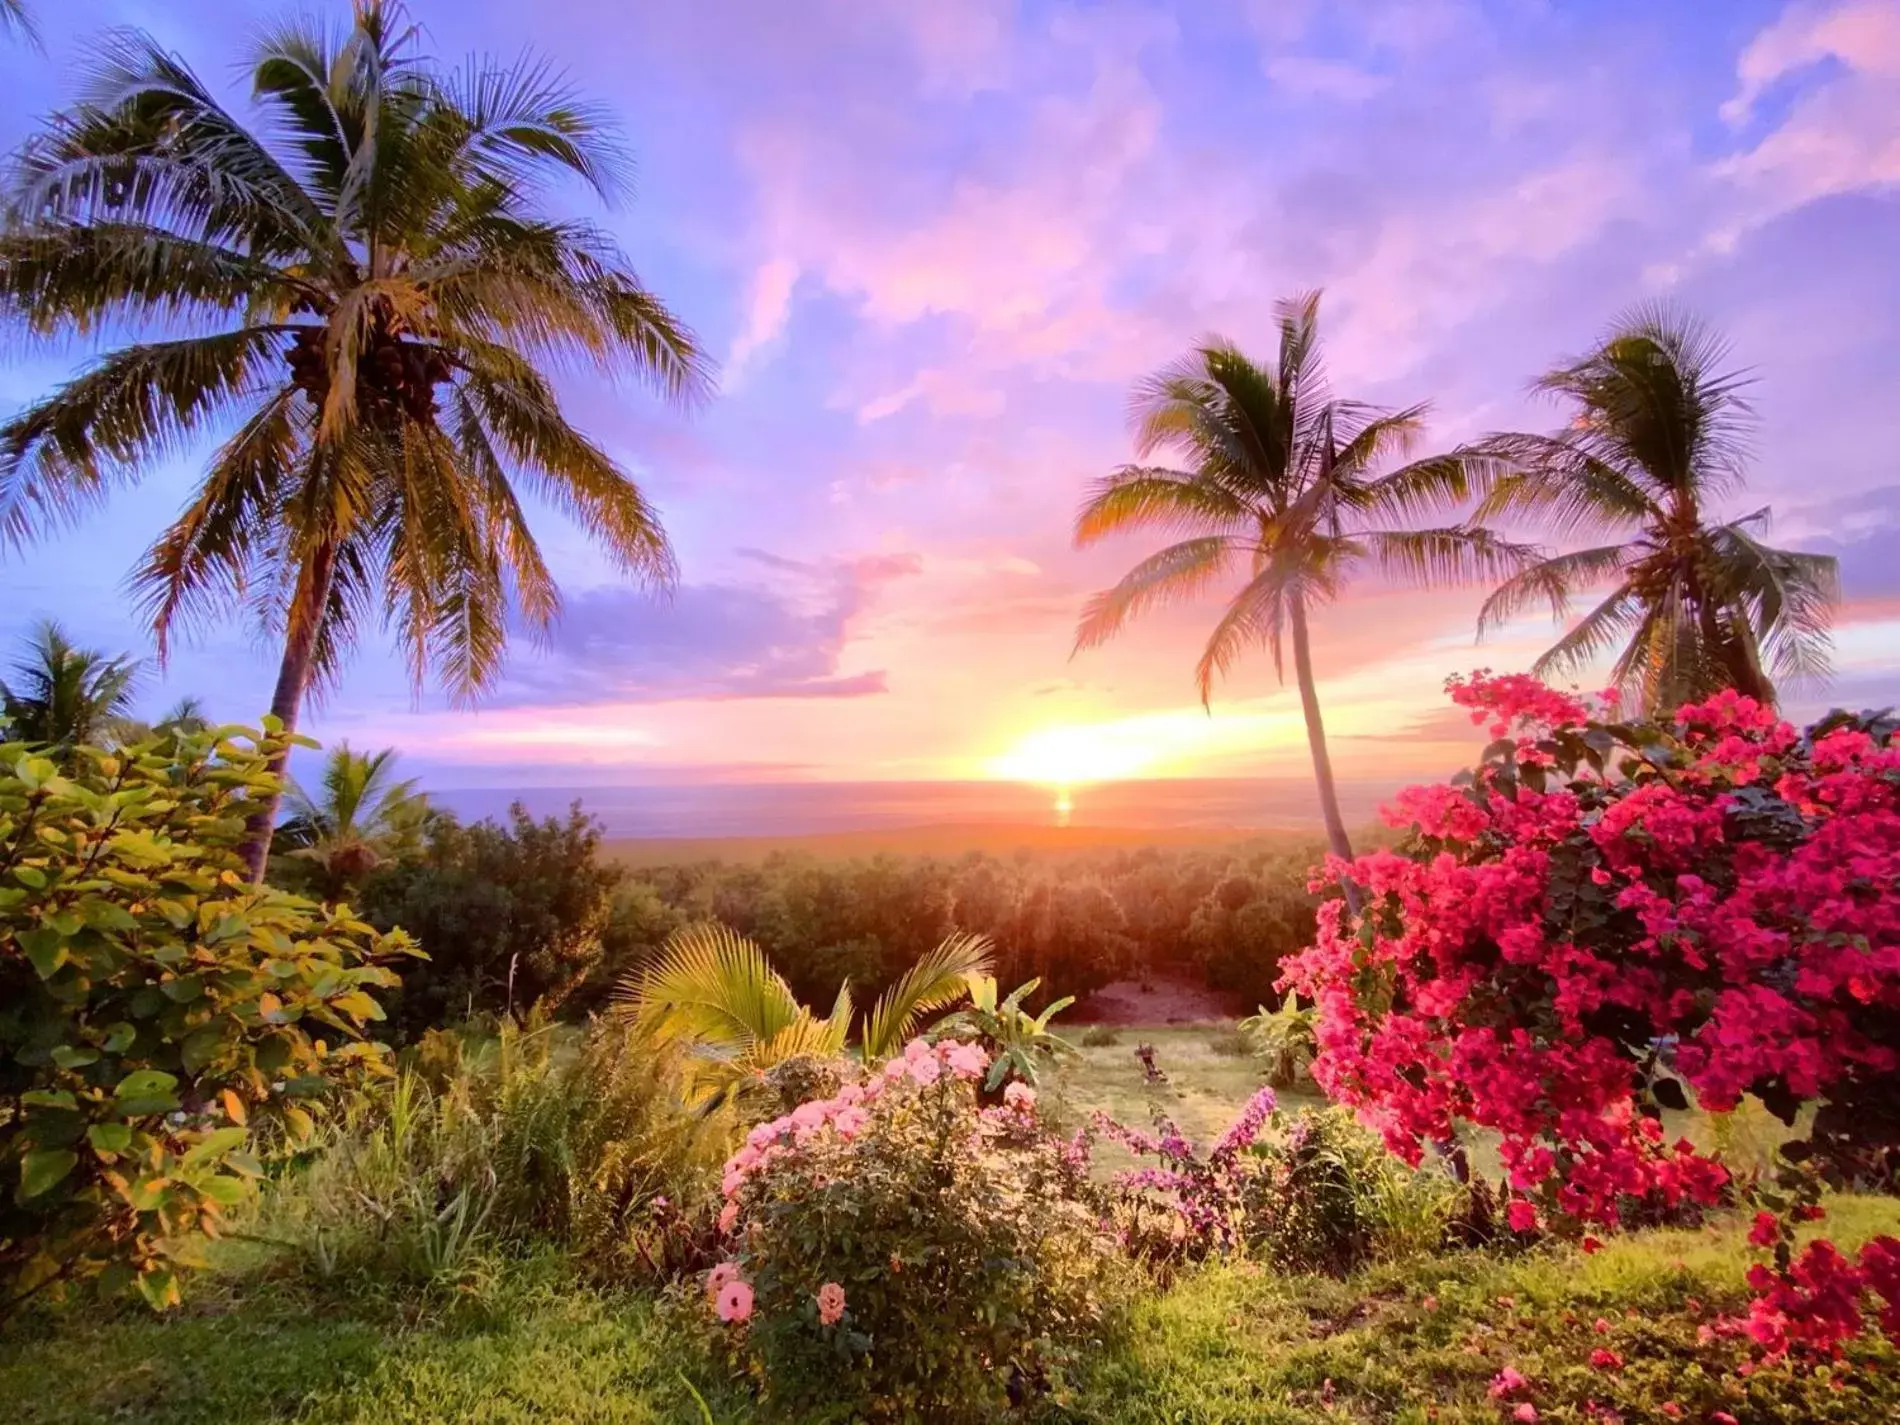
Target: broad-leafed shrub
column 901, row 1254
column 156, row 1010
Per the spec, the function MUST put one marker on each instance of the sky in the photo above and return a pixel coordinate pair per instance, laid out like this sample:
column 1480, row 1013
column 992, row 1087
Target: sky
column 933, row 245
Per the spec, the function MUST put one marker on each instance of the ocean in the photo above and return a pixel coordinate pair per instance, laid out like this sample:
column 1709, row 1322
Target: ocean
column 721, row 809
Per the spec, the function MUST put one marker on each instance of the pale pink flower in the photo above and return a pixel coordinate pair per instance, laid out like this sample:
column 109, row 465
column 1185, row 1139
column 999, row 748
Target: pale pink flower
column 734, row 1302
column 830, row 1303
column 925, row 1071
column 850, row 1094
column 810, row 1115
column 850, row 1122
column 734, row 1180
column 1525, row 1412
column 896, row 1069
column 728, row 1215
column 1020, row 1097
column 717, row 1278
column 918, row 1050
column 967, row 1061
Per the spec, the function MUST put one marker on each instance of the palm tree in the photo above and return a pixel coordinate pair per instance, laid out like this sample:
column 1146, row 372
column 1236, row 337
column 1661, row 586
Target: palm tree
column 1658, row 433
column 715, row 990
column 361, row 816
column 61, row 696
column 1277, row 486
column 364, row 292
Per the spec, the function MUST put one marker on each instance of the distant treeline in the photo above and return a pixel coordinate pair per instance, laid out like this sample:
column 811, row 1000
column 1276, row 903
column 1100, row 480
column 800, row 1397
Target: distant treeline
column 515, row 912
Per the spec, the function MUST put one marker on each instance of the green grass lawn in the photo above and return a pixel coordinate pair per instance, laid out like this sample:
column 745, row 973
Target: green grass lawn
column 1207, row 1082
column 1409, row 1343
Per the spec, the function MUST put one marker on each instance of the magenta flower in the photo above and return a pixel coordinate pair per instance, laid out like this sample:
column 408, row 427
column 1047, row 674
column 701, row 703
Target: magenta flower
column 1506, row 1382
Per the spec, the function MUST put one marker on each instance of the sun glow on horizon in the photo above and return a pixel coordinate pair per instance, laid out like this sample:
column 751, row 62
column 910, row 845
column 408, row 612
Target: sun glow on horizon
column 1069, row 755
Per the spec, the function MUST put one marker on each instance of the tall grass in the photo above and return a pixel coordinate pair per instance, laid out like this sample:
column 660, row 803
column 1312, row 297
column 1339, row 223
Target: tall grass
column 489, row 1145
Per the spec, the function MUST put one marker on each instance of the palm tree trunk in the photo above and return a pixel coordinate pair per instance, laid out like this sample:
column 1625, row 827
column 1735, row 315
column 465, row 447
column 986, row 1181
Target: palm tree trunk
column 1732, row 644
column 293, row 680
column 1316, row 740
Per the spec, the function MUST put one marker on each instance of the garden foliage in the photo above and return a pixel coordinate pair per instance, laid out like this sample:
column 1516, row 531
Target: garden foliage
column 496, row 1144
column 899, row 1253
column 157, row 1011
column 1609, row 917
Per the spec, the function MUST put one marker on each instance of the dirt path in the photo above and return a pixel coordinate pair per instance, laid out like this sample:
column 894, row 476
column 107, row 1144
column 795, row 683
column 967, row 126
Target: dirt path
column 1155, row 1002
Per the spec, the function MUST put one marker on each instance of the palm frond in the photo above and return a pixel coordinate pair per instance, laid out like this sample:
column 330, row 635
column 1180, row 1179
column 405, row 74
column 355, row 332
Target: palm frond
column 61, row 695
column 1181, row 571
column 1255, row 616
column 1652, row 398
column 521, row 116
column 1785, row 599
column 1612, row 621
column 937, row 979
column 713, row 986
column 1553, row 582
column 16, row 19
column 1554, row 479
column 1148, row 496
column 1457, row 554
column 63, row 454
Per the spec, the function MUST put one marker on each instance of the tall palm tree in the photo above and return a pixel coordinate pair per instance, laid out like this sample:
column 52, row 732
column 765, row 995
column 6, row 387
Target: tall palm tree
column 361, row 815
column 714, row 990
column 364, row 294
column 1658, row 433
column 1276, row 486
column 60, row 695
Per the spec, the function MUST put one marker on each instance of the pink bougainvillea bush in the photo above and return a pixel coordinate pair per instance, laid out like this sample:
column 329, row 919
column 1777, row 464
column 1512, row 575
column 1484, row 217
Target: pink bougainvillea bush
column 1607, row 918
column 898, row 1252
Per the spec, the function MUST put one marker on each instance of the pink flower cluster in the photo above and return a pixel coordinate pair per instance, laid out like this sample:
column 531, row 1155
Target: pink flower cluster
column 1729, row 891
column 1516, row 701
column 847, row 1113
column 1815, row 1304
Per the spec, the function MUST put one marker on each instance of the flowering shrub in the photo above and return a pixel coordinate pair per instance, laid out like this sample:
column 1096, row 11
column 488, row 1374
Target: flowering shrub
column 899, row 1253
column 1311, row 1193
column 1201, row 1201
column 1600, row 901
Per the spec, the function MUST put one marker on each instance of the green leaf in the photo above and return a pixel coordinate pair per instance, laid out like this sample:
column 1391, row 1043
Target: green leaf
column 69, row 1057
column 107, row 915
column 214, row 1145
column 49, row 1098
column 226, row 1192
column 43, row 1169
column 110, row 1137
column 159, row 1287
column 146, row 1083
column 32, row 877
column 202, row 1046
column 45, row 948
column 119, row 1038
column 183, row 989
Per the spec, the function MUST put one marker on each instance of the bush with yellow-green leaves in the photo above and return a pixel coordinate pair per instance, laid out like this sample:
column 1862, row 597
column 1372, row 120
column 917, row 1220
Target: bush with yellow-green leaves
column 160, row 1017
